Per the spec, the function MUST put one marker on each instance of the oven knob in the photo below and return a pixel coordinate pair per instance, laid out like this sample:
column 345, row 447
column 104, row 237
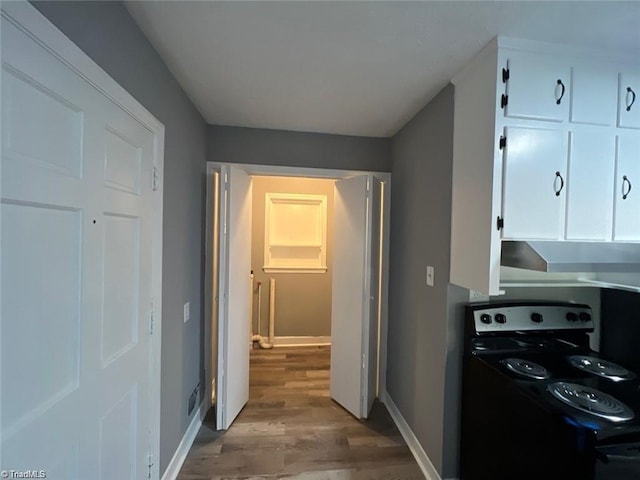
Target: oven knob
column 500, row 318
column 485, row 318
column 572, row 317
column 585, row 317
column 536, row 317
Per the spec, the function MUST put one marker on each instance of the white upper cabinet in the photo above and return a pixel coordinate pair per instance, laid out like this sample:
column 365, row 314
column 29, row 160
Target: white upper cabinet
column 628, row 104
column 627, row 192
column 537, row 87
column 535, row 163
column 593, row 95
column 546, row 146
column 590, row 186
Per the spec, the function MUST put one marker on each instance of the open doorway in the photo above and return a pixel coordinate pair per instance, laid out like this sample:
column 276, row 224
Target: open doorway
column 345, row 273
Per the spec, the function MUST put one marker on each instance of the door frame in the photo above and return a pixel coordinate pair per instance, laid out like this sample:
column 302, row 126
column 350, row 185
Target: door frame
column 289, row 171
column 27, row 18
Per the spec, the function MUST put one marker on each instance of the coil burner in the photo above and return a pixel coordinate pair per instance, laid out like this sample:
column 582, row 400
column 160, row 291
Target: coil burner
column 591, row 401
column 600, row 367
column 526, row 368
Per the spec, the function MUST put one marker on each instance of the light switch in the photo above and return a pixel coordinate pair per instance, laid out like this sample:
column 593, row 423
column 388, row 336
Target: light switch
column 186, row 312
column 429, row 275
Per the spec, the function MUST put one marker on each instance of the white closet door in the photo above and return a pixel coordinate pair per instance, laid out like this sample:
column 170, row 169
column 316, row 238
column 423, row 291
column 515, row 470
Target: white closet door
column 354, row 313
column 235, row 287
column 76, row 273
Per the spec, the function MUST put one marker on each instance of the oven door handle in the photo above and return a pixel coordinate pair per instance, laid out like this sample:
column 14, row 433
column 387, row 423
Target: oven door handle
column 623, row 453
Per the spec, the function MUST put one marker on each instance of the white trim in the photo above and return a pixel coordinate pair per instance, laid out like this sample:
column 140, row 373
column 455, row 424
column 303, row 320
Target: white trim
column 413, row 443
column 27, row 18
column 301, row 341
column 173, row 469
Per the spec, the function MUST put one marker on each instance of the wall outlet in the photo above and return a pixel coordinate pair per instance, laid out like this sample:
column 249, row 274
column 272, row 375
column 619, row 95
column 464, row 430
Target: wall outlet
column 429, row 276
column 186, row 312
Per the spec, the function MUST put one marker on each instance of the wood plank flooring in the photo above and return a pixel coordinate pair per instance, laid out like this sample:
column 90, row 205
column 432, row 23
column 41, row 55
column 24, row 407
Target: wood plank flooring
column 291, row 429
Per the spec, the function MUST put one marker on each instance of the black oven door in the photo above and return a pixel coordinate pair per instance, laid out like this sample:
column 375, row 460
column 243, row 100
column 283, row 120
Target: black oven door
column 618, row 462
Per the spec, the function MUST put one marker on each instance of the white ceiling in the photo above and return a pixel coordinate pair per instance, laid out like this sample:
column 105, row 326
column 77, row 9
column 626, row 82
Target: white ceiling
column 353, row 68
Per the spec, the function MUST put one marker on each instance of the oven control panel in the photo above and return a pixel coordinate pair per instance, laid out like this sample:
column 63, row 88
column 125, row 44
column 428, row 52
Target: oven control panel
column 530, row 317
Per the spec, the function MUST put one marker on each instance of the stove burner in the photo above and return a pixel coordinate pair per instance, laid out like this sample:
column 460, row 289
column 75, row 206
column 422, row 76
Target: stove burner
column 600, row 367
column 526, row 368
column 591, row 401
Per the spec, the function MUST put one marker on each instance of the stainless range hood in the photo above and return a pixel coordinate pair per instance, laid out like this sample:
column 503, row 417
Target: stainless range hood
column 548, row 256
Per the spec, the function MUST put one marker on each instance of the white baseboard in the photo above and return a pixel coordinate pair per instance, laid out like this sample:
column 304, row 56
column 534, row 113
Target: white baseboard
column 171, row 473
column 301, row 341
column 418, row 452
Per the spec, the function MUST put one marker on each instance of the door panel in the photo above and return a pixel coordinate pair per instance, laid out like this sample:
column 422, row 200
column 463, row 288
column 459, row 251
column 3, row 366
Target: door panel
column 593, row 96
column 76, row 272
column 354, row 317
column 235, row 283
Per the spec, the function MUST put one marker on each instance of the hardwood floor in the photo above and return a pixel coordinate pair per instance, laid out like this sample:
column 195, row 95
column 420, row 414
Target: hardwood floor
column 291, row 429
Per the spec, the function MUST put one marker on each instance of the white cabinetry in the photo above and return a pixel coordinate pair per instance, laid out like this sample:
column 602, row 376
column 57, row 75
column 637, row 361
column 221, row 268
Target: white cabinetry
column 535, row 163
column 627, row 192
column 546, row 145
column 590, row 185
column 628, row 105
column 593, row 95
column 536, row 87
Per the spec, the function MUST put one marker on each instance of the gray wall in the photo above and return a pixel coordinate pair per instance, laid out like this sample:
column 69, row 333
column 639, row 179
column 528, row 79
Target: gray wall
column 303, row 300
column 424, row 338
column 108, row 34
column 298, row 149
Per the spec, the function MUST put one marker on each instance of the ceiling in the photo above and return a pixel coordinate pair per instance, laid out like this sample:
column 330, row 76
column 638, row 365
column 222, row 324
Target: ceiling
column 352, row 68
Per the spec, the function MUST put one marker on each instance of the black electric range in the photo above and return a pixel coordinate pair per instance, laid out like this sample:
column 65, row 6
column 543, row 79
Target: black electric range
column 538, row 403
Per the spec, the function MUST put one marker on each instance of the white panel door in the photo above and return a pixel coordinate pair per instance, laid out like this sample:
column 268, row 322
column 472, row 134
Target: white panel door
column 76, row 273
column 354, row 309
column 628, row 103
column 235, row 287
column 627, row 193
column 535, row 162
column 538, row 87
column 590, row 186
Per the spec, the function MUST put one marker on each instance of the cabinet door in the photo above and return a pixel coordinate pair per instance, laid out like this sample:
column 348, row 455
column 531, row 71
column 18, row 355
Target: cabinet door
column 535, row 162
column 628, row 104
column 590, row 185
column 593, row 95
column 627, row 193
column 538, row 87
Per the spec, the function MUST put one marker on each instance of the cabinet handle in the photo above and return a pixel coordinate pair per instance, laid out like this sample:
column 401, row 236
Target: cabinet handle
column 625, row 183
column 559, row 100
column 558, row 190
column 633, row 98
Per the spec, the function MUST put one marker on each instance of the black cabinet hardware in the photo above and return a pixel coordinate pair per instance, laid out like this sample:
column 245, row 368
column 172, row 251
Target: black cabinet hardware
column 500, row 223
column 504, row 100
column 505, row 75
column 503, row 142
column 626, row 187
column 558, row 176
column 633, row 98
column 559, row 100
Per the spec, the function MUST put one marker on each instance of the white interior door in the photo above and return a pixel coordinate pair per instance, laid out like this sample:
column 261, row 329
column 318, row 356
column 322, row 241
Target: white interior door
column 76, row 273
column 235, row 290
column 354, row 309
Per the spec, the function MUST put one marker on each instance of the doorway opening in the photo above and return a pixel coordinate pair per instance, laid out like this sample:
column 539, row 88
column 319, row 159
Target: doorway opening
column 304, row 253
